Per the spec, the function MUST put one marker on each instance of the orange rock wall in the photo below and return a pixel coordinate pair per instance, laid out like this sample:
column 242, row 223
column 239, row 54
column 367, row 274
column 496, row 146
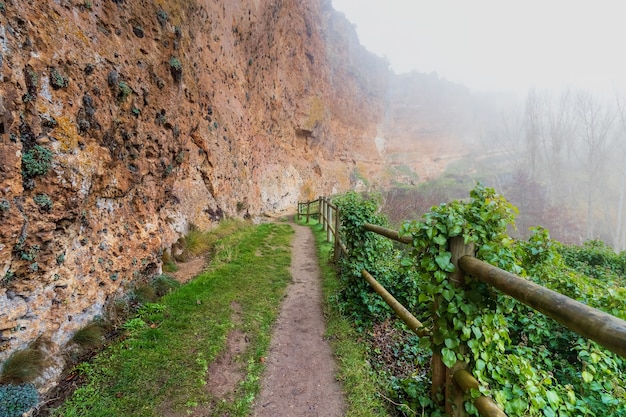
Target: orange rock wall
column 156, row 114
column 122, row 122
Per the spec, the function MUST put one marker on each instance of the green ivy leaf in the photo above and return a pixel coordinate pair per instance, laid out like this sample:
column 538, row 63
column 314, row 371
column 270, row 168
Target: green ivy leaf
column 443, row 261
column 448, row 357
column 440, row 240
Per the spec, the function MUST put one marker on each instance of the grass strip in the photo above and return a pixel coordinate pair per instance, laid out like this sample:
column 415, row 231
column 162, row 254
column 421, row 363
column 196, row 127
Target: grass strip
column 354, row 371
column 161, row 367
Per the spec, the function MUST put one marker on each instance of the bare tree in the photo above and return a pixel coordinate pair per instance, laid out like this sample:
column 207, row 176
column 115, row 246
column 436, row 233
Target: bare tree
column 619, row 238
column 596, row 137
column 534, row 128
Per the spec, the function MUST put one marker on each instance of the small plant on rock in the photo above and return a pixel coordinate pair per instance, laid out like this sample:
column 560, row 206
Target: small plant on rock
column 176, row 69
column 162, row 17
column 36, row 162
column 4, row 205
column 164, row 284
column 22, row 366
column 57, row 80
column 123, row 91
column 90, row 336
column 15, row 400
column 43, row 201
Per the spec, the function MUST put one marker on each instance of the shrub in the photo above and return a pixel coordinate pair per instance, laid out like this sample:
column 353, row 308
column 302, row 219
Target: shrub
column 162, row 17
column 36, row 162
column 57, row 80
column 43, row 201
column 143, row 294
column 164, row 284
column 169, row 265
column 22, row 366
column 90, row 336
column 15, row 400
column 196, row 242
column 176, row 69
column 4, row 205
column 123, row 91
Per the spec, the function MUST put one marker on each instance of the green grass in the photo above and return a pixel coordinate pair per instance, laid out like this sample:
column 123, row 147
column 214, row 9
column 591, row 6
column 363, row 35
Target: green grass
column 359, row 380
column 162, row 364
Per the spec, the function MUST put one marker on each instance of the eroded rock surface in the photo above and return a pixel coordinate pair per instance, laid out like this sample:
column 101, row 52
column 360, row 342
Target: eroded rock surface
column 122, row 122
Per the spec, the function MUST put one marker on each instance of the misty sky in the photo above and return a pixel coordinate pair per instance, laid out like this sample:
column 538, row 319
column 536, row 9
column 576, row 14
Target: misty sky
column 499, row 44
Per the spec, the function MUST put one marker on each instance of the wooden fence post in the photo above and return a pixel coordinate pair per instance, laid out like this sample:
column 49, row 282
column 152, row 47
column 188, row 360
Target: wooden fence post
column 337, row 239
column 453, row 393
column 308, row 210
column 329, row 221
column 322, row 207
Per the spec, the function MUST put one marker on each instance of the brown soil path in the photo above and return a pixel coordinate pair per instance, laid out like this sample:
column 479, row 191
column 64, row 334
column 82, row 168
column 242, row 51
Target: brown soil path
column 299, row 380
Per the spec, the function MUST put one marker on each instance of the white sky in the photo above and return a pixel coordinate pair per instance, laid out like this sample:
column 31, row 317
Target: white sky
column 499, row 44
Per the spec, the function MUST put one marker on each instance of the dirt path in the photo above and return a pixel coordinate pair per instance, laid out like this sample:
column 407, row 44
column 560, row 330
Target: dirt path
column 299, row 380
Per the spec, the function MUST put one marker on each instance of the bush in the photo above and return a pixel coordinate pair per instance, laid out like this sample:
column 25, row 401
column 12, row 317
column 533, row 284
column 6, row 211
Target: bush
column 57, row 80
column 176, row 69
column 90, row 336
column 375, row 254
column 123, row 91
column 164, row 284
column 43, row 201
column 36, row 162
column 15, row 400
column 22, row 366
column 143, row 294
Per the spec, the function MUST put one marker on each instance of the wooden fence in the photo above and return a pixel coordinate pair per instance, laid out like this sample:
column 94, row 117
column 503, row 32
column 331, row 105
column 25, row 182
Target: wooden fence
column 603, row 328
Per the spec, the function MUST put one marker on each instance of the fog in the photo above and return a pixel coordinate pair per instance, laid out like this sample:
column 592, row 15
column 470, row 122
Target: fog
column 559, row 149
column 491, row 45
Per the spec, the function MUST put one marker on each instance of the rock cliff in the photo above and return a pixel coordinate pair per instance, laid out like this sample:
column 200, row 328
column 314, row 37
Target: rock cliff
column 122, row 122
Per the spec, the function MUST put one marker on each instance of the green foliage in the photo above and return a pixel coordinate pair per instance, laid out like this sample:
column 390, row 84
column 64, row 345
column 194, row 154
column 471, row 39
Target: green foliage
column 90, row 336
column 22, row 366
column 36, row 162
column 144, row 293
column 594, row 259
column 176, row 69
column 123, row 91
column 4, row 205
column 528, row 363
column 373, row 253
column 175, row 63
column 15, row 400
column 43, row 201
column 164, row 284
column 57, row 80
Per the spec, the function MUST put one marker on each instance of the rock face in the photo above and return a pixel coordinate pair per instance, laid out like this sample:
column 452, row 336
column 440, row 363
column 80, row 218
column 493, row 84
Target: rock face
column 124, row 121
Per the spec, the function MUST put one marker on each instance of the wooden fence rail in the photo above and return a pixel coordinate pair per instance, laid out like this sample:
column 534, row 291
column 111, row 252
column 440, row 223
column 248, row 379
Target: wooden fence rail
column 605, row 329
